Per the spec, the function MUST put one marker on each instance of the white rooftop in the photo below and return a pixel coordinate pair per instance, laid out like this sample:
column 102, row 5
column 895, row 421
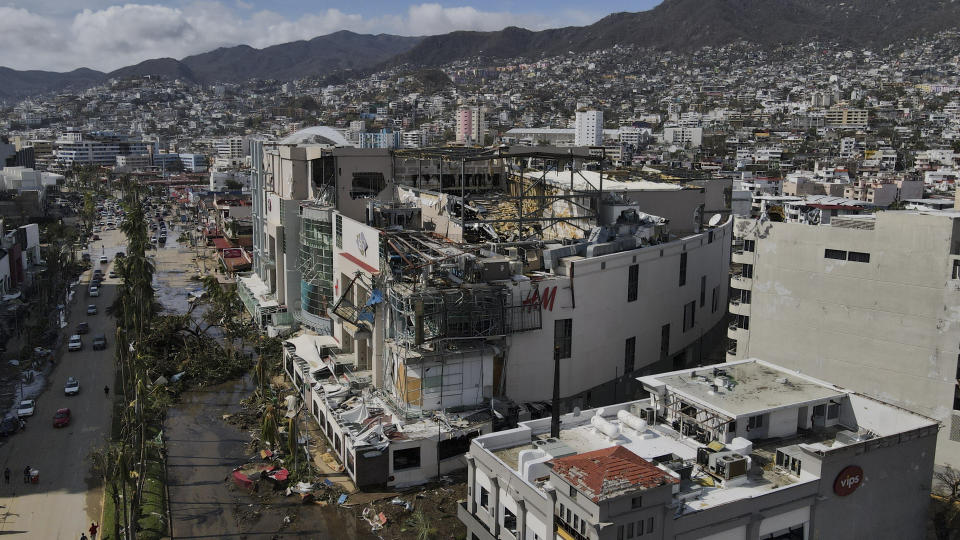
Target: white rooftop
column 748, row 387
column 590, row 180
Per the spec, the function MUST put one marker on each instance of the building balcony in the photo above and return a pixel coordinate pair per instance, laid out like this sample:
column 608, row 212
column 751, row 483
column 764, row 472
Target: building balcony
column 737, row 281
column 736, row 333
column 474, row 525
column 741, row 257
column 739, row 308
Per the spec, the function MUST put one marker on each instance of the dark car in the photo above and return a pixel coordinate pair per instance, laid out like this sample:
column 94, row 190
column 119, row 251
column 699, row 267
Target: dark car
column 10, row 425
column 83, row 328
column 99, row 342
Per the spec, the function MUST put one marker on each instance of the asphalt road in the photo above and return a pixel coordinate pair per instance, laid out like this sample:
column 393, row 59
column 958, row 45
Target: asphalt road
column 67, row 498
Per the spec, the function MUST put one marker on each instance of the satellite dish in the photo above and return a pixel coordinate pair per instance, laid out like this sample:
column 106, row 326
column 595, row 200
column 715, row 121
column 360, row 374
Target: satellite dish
column 714, row 220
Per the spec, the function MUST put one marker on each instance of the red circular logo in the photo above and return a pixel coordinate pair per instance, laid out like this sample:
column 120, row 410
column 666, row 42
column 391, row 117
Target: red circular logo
column 848, row 480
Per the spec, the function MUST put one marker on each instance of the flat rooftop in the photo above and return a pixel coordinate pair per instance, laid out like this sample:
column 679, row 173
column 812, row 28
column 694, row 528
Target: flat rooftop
column 655, row 444
column 746, row 388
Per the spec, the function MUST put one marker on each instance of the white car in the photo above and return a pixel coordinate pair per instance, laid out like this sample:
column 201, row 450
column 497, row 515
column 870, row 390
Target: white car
column 72, row 387
column 75, row 343
column 104, row 259
column 26, row 408
column 94, row 290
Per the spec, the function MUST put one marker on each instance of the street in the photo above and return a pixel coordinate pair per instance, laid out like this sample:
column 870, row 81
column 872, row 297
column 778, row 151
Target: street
column 66, row 499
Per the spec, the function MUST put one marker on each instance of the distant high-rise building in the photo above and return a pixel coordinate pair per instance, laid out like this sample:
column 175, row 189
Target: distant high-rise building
column 589, row 128
column 471, row 125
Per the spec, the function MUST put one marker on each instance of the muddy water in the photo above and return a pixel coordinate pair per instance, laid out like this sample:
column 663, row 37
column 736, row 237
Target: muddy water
column 202, row 451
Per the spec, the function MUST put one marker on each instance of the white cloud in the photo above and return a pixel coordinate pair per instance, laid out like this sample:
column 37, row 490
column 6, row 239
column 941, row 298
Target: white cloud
column 121, row 35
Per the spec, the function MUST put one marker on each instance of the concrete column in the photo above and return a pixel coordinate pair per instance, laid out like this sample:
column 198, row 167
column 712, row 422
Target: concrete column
column 521, row 519
column 495, row 505
column 753, row 528
column 471, row 483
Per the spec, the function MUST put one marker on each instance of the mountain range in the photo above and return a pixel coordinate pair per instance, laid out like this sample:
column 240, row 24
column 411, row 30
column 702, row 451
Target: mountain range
column 673, row 25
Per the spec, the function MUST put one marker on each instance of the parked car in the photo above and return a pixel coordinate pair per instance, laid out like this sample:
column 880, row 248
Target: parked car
column 26, row 408
column 119, row 255
column 61, row 418
column 99, row 342
column 72, row 387
column 94, row 290
column 92, row 309
column 86, row 257
column 83, row 328
column 104, row 259
column 11, row 425
column 113, row 275
column 75, row 344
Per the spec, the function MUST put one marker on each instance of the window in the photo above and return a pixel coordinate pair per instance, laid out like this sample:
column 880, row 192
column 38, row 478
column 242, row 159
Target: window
column 633, row 282
column 576, row 521
column 630, row 530
column 750, row 245
column 665, row 341
column 956, row 270
column 629, row 351
column 573, row 493
column 755, row 422
column 715, row 300
column 856, row 256
column 745, row 296
column 748, row 271
column 683, row 269
column 640, row 528
column 620, row 532
column 339, row 231
column 650, row 525
column 742, row 321
column 710, row 236
column 703, row 290
column 689, row 315
column 484, row 498
column 562, row 338
column 833, row 411
column 455, row 447
column 837, row 254
column 408, row 458
column 366, row 185
column 636, row 502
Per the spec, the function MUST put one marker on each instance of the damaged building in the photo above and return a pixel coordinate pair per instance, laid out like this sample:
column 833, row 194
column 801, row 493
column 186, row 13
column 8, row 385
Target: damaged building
column 435, row 306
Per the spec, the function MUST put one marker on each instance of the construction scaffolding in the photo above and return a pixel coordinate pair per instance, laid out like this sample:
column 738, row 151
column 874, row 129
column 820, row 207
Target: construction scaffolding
column 476, row 312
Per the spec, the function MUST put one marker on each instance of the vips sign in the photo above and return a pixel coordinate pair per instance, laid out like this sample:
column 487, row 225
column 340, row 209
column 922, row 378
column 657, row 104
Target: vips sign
column 848, row 480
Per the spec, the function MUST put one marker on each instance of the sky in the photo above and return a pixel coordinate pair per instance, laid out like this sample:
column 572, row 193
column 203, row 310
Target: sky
column 62, row 35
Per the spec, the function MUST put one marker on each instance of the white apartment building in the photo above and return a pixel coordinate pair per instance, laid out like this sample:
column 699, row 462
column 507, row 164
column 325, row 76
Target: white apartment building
column 744, row 451
column 588, row 128
column 683, row 135
column 413, row 139
column 73, row 147
column 233, row 147
column 852, row 303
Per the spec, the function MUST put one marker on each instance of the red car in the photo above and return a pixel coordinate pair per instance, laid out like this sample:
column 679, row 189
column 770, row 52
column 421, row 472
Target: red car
column 62, row 418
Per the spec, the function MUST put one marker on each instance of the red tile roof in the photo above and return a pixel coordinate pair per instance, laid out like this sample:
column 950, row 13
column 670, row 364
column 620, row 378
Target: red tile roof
column 611, row 472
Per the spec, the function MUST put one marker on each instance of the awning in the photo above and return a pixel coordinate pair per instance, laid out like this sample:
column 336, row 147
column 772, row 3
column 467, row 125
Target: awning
column 222, row 243
column 308, row 348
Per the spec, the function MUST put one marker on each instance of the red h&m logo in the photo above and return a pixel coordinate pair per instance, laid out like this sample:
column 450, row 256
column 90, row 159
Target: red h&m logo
column 546, row 301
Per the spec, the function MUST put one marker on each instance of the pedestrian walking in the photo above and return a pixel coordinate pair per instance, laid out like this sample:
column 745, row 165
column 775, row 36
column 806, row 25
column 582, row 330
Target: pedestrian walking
column 26, row 475
column 6, row 475
column 83, row 536
column 93, row 531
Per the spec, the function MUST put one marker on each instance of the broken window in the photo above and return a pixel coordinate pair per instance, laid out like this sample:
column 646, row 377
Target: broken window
column 366, row 185
column 408, row 458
